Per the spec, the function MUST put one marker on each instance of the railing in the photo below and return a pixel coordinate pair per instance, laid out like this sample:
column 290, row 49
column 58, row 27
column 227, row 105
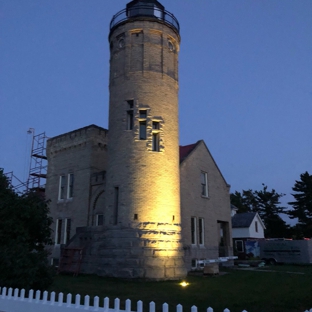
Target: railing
column 17, row 301
column 145, row 11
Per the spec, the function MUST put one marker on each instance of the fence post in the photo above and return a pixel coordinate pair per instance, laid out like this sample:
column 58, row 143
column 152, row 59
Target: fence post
column 106, row 304
column 140, row 306
column 128, row 305
column 60, row 299
column 179, row 308
column 210, row 309
column 165, row 307
column 226, row 310
column 152, row 306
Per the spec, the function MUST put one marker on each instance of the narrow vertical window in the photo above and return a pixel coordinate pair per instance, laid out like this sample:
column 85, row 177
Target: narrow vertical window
column 70, row 186
column 116, row 200
column 155, row 142
column 99, row 219
column 61, row 194
column 67, row 228
column 142, row 116
column 142, row 135
column 239, row 246
column 58, row 231
column 256, row 226
column 201, row 232
column 193, row 230
column 204, row 184
column 130, row 115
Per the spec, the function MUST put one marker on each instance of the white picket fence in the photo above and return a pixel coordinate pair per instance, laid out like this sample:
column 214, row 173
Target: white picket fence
column 17, row 302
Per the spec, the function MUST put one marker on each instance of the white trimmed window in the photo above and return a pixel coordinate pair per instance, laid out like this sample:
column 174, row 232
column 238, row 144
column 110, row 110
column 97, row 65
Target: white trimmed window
column 256, row 226
column 58, row 231
column 193, row 231
column 201, row 231
column 62, row 185
column 67, row 228
column 70, row 185
column 155, row 137
column 204, row 184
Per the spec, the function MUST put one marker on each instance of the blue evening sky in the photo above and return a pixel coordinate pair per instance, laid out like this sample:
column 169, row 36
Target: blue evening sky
column 245, row 80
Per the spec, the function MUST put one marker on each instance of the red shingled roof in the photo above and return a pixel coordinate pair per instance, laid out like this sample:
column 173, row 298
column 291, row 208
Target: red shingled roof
column 185, row 150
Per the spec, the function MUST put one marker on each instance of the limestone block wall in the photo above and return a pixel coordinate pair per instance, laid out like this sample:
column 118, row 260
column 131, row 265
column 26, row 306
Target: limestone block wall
column 81, row 152
column 130, row 252
column 214, row 209
column 144, row 69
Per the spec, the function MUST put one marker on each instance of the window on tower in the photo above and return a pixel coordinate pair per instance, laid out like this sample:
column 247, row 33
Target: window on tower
column 142, row 123
column 204, row 184
column 130, row 115
column 142, row 135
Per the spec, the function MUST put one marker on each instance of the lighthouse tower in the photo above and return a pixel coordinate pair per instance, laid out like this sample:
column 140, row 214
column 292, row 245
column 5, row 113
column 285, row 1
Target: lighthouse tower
column 143, row 187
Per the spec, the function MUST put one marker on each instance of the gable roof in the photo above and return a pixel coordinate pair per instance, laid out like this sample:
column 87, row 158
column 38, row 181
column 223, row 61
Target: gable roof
column 243, row 220
column 186, row 150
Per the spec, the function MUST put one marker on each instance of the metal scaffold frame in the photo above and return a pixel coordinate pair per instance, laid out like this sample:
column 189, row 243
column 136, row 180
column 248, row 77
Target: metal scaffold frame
column 38, row 161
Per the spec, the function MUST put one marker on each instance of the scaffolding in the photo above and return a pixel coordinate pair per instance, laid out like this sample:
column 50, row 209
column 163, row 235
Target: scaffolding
column 38, row 161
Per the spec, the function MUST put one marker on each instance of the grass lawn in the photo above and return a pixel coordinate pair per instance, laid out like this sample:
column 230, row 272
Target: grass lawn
column 236, row 290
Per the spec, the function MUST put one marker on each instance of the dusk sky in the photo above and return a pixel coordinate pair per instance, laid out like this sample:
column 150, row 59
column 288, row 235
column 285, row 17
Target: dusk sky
column 245, row 81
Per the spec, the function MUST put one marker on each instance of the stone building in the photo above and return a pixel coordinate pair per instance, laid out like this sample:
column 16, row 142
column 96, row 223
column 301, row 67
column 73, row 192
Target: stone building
column 141, row 208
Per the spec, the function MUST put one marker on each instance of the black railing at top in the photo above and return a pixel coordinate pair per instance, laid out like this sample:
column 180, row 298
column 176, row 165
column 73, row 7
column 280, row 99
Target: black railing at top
column 145, row 11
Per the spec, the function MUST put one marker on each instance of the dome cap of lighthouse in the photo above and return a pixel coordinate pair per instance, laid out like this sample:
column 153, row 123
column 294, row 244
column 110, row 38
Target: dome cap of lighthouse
column 145, row 9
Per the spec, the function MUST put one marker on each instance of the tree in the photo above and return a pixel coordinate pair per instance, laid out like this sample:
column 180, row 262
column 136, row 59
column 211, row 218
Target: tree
column 302, row 205
column 267, row 205
column 24, row 233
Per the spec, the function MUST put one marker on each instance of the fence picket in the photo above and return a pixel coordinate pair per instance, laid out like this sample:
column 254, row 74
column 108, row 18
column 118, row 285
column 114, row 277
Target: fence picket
column 128, row 305
column 77, row 301
column 117, row 305
column 16, row 293
column 86, row 302
column 139, row 306
column 226, row 310
column 3, row 292
column 38, row 293
column 193, row 309
column 96, row 303
column 45, row 297
column 210, row 309
column 165, row 307
column 60, row 299
column 68, row 300
column 106, row 304
column 10, row 293
column 22, row 297
column 152, row 306
column 31, row 295
column 52, row 298
column 179, row 308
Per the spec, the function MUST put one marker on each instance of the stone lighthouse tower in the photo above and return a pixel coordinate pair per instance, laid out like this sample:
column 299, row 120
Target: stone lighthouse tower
column 143, row 187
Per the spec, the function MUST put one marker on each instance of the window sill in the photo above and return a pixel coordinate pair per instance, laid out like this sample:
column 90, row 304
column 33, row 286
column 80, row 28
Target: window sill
column 203, row 196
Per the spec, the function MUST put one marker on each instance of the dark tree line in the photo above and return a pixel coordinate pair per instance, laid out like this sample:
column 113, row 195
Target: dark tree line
column 267, row 204
column 24, row 233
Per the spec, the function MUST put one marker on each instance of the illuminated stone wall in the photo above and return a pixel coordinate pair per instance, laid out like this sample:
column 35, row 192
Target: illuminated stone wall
column 144, row 68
